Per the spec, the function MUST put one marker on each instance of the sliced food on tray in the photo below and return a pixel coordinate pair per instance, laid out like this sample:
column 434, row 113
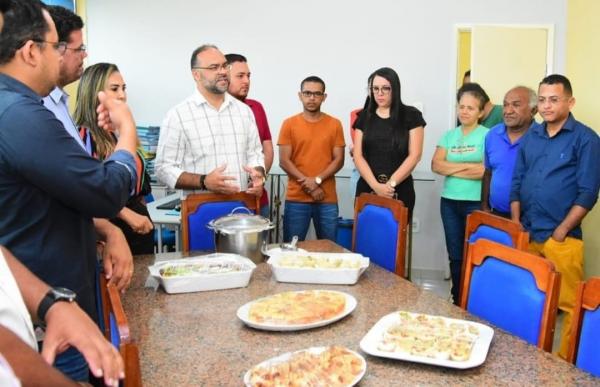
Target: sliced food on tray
column 429, row 336
column 318, row 268
column 429, row 339
column 320, row 366
column 209, row 272
column 297, row 310
column 314, row 260
column 198, row 268
column 289, row 308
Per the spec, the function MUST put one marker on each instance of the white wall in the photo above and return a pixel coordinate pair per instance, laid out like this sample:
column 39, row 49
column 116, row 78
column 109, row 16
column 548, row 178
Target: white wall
column 285, row 41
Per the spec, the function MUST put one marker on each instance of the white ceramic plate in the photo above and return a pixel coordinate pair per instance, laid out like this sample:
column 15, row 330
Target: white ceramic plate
column 310, row 275
column 198, row 282
column 315, row 350
column 479, row 352
column 243, row 314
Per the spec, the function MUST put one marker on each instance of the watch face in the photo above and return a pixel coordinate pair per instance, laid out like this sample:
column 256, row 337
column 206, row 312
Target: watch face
column 64, row 294
column 318, row 180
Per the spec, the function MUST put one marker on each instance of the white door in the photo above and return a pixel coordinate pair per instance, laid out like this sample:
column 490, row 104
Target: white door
column 505, row 56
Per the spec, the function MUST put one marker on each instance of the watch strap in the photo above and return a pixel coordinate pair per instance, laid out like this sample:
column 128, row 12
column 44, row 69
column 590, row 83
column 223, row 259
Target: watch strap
column 45, row 304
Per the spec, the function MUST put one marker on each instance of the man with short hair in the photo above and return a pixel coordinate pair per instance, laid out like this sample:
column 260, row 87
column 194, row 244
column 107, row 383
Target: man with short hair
column 501, row 147
column 50, row 189
column 311, row 151
column 555, row 184
column 239, row 87
column 210, row 140
column 69, row 27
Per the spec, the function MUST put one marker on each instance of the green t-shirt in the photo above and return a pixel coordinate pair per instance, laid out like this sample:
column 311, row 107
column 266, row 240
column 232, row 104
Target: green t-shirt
column 463, row 149
column 494, row 118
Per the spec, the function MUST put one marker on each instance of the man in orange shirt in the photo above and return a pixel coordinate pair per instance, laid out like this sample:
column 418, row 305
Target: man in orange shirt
column 311, row 151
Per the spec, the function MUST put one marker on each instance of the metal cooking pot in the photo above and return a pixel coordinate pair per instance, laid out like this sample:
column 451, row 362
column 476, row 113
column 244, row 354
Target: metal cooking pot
column 242, row 234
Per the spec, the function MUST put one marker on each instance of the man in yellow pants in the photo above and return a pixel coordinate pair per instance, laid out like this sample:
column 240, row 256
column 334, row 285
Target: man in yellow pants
column 555, row 184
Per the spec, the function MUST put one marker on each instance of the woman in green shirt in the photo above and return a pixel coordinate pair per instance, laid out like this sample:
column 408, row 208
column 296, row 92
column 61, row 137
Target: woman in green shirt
column 459, row 157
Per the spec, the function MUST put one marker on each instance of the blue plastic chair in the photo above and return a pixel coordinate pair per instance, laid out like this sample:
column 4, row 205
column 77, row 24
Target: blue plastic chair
column 380, row 226
column 197, row 210
column 513, row 289
column 484, row 225
column 585, row 333
column 167, row 236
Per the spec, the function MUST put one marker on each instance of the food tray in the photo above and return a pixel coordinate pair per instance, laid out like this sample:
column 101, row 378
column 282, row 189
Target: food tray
column 208, row 272
column 243, row 314
column 318, row 275
column 370, row 343
column 313, row 350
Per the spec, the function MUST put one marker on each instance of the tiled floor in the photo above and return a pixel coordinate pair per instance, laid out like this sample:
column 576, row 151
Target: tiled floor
column 439, row 286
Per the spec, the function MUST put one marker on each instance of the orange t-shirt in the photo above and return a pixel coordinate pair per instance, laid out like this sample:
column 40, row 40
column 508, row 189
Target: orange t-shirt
column 312, row 151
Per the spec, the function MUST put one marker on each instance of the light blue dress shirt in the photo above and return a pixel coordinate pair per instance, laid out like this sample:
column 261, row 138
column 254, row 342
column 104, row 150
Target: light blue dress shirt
column 57, row 102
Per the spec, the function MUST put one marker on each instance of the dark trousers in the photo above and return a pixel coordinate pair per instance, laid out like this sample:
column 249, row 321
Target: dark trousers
column 454, row 217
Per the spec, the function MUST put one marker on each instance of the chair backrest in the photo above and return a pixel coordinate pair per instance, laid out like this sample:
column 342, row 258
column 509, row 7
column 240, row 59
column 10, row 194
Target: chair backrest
column 513, row 289
column 199, row 209
column 484, row 225
column 585, row 329
column 116, row 330
column 380, row 226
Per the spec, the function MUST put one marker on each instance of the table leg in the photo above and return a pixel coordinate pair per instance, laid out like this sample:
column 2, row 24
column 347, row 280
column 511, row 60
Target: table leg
column 409, row 253
column 159, row 239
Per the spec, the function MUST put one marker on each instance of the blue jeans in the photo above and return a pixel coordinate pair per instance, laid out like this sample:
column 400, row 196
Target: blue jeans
column 72, row 364
column 454, row 217
column 264, row 211
column 297, row 216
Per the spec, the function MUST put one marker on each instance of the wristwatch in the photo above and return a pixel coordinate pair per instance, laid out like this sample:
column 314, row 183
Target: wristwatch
column 54, row 295
column 318, row 180
column 392, row 183
column 202, row 180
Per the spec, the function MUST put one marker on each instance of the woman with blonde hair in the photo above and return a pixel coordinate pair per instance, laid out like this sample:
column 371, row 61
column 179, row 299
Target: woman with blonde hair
column 134, row 219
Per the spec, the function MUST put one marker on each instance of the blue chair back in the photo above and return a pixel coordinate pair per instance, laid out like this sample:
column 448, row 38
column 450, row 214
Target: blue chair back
column 201, row 237
column 588, row 352
column 513, row 289
column 380, row 231
column 492, row 234
column 507, row 296
column 376, row 236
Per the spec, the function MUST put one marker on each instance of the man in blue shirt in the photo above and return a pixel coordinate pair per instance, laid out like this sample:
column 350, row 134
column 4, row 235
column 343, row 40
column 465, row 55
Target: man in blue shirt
column 555, row 184
column 501, row 146
column 50, row 189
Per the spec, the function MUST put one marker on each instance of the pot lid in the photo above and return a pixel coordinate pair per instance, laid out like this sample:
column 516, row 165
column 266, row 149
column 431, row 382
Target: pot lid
column 241, row 223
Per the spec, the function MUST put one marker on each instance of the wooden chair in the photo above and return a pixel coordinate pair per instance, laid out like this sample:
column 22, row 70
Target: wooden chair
column 484, row 225
column 116, row 330
column 585, row 328
column 380, row 228
column 199, row 209
column 513, row 289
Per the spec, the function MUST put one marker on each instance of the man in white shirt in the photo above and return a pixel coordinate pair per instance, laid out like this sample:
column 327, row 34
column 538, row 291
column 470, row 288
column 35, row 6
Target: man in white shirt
column 210, row 140
column 22, row 295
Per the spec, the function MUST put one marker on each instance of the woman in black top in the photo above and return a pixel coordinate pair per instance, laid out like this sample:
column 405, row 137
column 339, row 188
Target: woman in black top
column 388, row 141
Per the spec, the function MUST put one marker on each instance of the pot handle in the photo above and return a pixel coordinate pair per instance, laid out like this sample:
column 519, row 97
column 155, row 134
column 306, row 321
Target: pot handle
column 240, row 208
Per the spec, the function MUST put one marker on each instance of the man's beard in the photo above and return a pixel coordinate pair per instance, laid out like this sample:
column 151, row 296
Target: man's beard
column 214, row 88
